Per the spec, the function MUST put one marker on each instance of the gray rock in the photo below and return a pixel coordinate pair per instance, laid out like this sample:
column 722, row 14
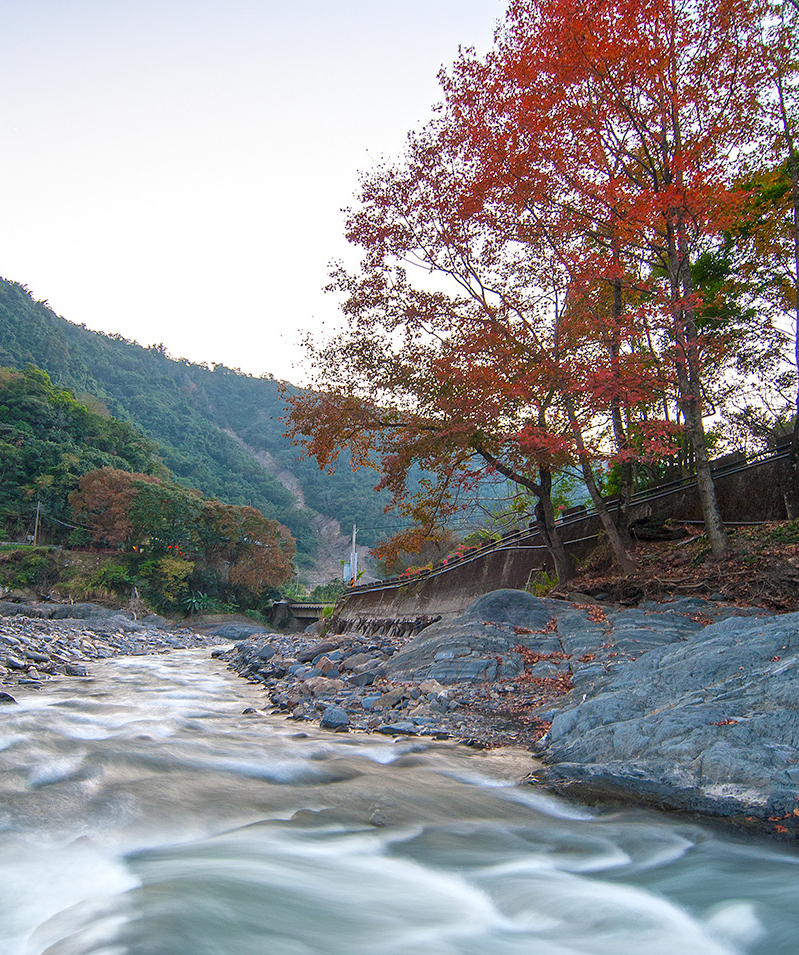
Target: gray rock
column 334, row 717
column 156, row 622
column 36, row 657
column 324, row 646
column 6, row 698
column 466, row 648
column 366, row 678
column 403, row 728
column 708, row 723
column 75, row 669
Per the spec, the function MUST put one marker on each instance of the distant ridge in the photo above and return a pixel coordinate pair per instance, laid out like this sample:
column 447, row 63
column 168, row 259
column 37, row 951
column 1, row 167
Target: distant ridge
column 216, row 428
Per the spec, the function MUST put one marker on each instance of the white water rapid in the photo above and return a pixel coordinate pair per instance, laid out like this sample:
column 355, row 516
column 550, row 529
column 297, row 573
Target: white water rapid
column 142, row 814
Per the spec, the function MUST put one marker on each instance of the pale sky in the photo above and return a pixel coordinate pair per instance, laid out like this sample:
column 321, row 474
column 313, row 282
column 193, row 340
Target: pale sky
column 175, row 170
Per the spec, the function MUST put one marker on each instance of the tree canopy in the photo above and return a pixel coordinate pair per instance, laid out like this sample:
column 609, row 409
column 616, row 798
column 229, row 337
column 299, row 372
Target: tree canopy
column 534, row 288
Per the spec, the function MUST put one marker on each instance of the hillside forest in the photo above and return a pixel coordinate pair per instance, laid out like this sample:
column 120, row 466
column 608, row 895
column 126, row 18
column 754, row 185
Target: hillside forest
column 212, row 427
column 74, row 476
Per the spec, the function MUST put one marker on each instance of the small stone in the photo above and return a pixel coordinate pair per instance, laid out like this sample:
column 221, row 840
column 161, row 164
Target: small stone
column 431, row 686
column 325, row 646
column 6, row 698
column 36, row 657
column 362, row 679
column 403, row 728
column 76, row 669
column 393, row 697
column 320, row 686
column 334, row 717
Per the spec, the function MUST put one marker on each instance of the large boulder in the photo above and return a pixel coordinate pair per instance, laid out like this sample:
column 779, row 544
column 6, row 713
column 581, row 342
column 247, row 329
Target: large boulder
column 480, row 643
column 709, row 723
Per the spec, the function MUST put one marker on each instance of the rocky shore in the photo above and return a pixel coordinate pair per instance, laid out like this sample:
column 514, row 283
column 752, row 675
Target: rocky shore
column 688, row 704
column 40, row 641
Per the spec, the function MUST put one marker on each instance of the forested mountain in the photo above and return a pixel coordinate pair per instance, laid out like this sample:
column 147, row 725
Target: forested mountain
column 48, row 441
column 215, row 428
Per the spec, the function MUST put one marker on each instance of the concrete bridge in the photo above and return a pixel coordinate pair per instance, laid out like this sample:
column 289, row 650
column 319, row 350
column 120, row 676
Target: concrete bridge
column 296, row 615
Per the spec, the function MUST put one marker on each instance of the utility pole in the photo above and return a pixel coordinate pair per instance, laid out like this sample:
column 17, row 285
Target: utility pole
column 36, row 522
column 351, row 569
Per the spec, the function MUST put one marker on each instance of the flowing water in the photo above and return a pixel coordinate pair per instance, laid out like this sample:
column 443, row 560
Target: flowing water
column 142, row 814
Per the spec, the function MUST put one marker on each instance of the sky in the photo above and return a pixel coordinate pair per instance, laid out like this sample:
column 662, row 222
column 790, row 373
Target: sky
column 175, row 171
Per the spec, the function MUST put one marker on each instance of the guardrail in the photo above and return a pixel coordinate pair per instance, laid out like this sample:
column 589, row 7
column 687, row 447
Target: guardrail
column 515, row 540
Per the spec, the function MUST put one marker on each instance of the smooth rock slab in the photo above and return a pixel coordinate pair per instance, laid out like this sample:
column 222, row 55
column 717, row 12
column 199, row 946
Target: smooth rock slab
column 710, row 723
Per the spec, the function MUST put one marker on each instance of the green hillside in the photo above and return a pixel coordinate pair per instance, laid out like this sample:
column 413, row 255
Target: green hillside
column 48, row 441
column 200, row 418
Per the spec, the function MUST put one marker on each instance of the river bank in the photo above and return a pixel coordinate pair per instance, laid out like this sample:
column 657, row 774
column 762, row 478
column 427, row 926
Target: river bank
column 688, row 704
column 41, row 641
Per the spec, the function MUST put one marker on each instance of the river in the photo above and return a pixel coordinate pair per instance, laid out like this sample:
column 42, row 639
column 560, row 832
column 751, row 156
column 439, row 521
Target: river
column 141, row 813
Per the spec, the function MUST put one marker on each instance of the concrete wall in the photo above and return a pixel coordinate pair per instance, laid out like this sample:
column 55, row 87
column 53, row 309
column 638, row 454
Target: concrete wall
column 754, row 493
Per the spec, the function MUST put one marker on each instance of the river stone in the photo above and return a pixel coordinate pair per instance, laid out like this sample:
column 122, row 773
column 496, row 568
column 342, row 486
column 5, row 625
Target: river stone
column 403, row 728
column 75, row 669
column 392, row 697
column 708, row 723
column 37, row 657
column 324, row 646
column 367, row 678
column 6, row 698
column 334, row 717
column 321, row 686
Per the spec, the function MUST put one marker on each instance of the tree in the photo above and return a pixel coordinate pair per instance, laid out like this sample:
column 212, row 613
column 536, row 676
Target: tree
column 103, row 501
column 633, row 115
column 243, row 549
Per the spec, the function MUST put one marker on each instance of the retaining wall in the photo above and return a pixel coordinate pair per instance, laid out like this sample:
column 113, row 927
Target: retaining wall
column 746, row 493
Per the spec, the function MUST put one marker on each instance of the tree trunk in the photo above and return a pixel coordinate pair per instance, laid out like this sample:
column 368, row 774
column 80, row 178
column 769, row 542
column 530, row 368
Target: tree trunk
column 689, row 383
column 626, row 563
column 544, row 513
column 545, row 516
column 619, row 431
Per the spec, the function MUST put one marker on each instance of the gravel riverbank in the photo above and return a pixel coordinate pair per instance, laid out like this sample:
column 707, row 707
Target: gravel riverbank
column 40, row 641
column 689, row 704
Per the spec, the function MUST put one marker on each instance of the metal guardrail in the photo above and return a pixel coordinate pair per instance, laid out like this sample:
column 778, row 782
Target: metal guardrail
column 514, row 540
